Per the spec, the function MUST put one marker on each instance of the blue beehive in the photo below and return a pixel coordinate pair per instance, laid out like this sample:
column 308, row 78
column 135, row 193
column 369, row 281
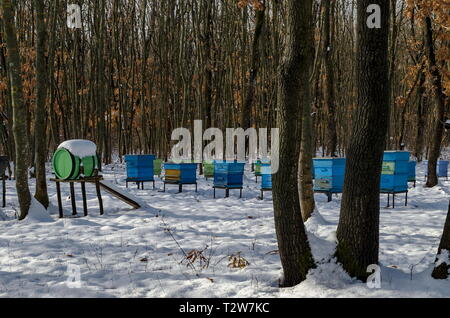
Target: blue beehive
column 228, row 174
column 412, row 171
column 140, row 167
column 181, row 173
column 266, row 173
column 395, row 171
column 329, row 174
column 442, row 168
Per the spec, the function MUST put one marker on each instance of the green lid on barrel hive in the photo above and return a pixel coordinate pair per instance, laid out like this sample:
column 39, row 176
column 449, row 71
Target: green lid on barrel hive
column 89, row 165
column 64, row 164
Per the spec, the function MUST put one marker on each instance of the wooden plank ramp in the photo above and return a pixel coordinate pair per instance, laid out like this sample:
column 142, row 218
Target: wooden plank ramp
column 119, row 194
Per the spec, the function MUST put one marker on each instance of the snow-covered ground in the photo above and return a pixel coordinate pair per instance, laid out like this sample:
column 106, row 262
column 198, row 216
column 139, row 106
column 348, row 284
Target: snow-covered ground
column 141, row 253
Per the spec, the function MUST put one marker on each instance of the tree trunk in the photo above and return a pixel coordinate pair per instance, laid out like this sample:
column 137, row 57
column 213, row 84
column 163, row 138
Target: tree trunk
column 307, row 203
column 441, row 271
column 247, row 111
column 329, row 97
column 293, row 94
column 41, row 91
column 208, row 67
column 358, row 229
column 422, row 103
column 19, row 111
column 100, row 86
column 439, row 99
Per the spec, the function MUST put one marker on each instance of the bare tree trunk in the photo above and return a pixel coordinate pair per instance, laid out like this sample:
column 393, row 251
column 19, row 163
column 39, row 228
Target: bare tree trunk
column 41, row 90
column 329, row 97
column 19, row 111
column 358, row 229
column 306, row 165
column 247, row 110
column 439, row 99
column 421, row 106
column 208, row 45
column 441, row 271
column 102, row 145
column 293, row 93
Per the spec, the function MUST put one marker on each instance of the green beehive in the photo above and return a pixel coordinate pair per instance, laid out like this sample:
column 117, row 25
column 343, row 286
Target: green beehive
column 157, row 167
column 258, row 165
column 208, row 169
column 70, row 164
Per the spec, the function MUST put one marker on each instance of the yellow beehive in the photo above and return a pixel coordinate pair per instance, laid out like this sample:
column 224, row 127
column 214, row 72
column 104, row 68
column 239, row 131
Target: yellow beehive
column 173, row 175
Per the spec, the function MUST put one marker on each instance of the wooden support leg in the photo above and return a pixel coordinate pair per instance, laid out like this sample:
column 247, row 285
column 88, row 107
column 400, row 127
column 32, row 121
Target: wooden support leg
column 153, row 184
column 99, row 196
column 126, row 182
column 406, row 198
column 240, row 193
column 214, row 191
column 4, row 190
column 72, row 198
column 196, row 187
column 164, row 188
column 58, row 194
column 262, row 195
column 388, row 204
column 227, row 193
column 142, row 185
column 330, row 196
column 393, row 200
column 180, row 188
column 83, row 193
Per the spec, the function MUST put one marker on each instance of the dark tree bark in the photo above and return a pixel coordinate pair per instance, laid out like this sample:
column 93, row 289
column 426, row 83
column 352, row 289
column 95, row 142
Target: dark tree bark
column 329, row 96
column 208, row 60
column 441, row 271
column 439, row 99
column 247, row 110
column 19, row 111
column 102, row 145
column 422, row 102
column 293, row 93
column 53, row 122
column 358, row 229
column 307, row 202
column 41, row 90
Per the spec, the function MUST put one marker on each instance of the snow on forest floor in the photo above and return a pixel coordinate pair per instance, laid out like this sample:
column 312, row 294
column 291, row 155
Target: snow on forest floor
column 139, row 253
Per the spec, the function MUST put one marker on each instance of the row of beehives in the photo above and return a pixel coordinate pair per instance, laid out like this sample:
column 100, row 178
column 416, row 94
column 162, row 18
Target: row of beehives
column 397, row 171
column 143, row 168
column 328, row 173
